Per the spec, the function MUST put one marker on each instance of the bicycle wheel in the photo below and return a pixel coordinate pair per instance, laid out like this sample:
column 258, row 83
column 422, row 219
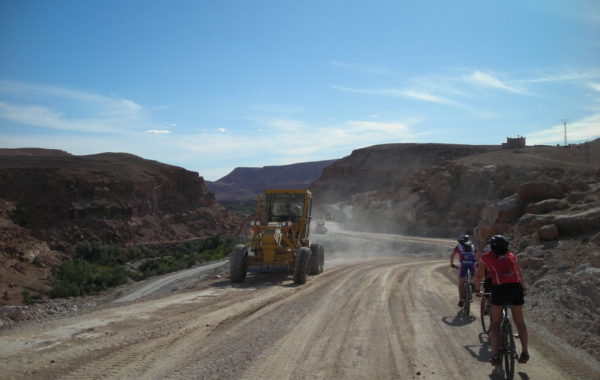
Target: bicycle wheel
column 512, row 351
column 507, row 353
column 485, row 314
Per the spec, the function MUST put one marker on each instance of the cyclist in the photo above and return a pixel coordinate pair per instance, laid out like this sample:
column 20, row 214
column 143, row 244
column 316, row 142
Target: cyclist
column 487, row 282
column 466, row 257
column 507, row 288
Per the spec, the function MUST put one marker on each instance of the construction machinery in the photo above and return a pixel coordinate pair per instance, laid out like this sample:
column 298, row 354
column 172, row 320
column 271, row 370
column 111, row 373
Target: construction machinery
column 279, row 238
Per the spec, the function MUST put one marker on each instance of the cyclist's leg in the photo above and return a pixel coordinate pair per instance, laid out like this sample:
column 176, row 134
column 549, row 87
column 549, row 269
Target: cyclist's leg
column 519, row 320
column 471, row 271
column 487, row 286
column 495, row 327
column 462, row 273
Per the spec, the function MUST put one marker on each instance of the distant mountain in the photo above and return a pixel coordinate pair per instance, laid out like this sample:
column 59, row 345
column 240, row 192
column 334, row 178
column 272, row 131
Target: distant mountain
column 242, row 184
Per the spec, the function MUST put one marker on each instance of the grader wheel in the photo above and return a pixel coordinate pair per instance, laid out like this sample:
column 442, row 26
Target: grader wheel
column 301, row 268
column 317, row 259
column 237, row 263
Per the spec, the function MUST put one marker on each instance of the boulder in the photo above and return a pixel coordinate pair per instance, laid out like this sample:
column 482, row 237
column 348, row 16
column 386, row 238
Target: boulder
column 578, row 223
column 530, row 223
column 483, row 232
column 538, row 191
column 576, row 196
column 503, row 211
column 543, row 207
column 548, row 232
column 439, row 188
column 532, row 263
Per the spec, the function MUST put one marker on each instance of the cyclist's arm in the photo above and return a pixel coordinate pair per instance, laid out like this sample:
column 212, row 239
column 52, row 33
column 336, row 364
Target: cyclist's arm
column 454, row 252
column 518, row 267
column 478, row 275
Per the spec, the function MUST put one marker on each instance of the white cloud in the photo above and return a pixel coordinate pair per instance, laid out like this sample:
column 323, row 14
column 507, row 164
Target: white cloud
column 568, row 75
column 399, row 93
column 292, row 141
column 584, row 129
column 158, row 131
column 222, row 130
column 106, row 104
column 594, row 86
column 425, row 97
column 44, row 117
column 488, row 80
column 59, row 108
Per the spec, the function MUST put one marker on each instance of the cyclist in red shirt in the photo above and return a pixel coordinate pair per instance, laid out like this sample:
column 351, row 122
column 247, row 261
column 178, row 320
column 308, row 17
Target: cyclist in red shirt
column 508, row 288
column 487, row 283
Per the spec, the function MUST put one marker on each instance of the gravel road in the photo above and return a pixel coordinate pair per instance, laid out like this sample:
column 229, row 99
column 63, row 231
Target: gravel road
column 388, row 317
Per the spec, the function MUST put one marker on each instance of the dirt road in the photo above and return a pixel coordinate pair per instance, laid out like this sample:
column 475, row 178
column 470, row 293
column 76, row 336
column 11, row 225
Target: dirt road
column 377, row 318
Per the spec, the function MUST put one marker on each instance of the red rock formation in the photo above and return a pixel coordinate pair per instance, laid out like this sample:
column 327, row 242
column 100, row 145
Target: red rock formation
column 51, row 200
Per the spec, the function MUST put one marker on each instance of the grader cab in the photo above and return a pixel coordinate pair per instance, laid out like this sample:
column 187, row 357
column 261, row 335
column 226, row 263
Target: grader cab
column 280, row 239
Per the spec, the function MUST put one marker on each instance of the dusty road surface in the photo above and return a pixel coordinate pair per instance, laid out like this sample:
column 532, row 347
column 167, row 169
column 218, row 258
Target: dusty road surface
column 368, row 318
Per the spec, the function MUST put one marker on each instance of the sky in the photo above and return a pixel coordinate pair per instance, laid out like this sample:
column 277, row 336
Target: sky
column 215, row 85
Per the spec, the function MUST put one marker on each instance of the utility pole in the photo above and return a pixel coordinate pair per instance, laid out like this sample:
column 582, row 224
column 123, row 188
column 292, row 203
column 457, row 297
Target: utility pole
column 565, row 125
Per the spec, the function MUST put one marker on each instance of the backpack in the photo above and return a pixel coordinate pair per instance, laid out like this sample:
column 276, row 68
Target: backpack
column 466, row 252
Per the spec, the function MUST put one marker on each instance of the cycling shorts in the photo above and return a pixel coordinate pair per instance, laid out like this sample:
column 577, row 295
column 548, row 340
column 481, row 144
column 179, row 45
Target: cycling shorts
column 487, row 285
column 462, row 270
column 508, row 294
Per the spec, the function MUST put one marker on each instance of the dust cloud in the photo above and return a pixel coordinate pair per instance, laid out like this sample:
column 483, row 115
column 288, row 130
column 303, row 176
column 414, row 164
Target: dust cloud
column 340, row 243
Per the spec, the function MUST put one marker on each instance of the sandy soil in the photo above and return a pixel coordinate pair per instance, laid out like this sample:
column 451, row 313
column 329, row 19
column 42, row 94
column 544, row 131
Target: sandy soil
column 376, row 318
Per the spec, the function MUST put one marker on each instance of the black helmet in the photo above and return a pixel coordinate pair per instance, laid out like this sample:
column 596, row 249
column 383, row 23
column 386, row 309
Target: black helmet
column 463, row 239
column 499, row 244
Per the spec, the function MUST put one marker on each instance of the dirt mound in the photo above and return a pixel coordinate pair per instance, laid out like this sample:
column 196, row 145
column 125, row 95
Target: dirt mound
column 51, row 200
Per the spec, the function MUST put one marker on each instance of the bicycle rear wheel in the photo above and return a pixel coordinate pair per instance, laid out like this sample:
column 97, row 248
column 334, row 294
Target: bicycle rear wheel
column 508, row 350
column 485, row 314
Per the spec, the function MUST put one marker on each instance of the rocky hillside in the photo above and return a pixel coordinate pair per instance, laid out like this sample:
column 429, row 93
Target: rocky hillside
column 545, row 199
column 243, row 184
column 51, row 200
column 380, row 166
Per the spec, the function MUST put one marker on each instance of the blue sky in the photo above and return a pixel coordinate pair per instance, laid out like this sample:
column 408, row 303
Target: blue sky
column 214, row 85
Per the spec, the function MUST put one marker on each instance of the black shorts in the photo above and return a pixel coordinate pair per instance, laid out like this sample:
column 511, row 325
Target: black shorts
column 487, row 285
column 508, row 294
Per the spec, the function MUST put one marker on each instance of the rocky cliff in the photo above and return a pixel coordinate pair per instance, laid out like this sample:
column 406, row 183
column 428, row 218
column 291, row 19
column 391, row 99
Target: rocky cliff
column 379, row 166
column 51, row 200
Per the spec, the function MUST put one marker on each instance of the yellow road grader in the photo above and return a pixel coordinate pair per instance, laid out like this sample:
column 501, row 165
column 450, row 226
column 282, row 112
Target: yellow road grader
column 280, row 239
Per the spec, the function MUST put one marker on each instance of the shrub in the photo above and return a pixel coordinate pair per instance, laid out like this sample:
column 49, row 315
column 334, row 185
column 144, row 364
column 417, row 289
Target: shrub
column 79, row 277
column 96, row 267
column 29, row 298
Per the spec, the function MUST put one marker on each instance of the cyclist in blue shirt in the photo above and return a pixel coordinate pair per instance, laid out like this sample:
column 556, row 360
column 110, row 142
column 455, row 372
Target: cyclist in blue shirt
column 467, row 259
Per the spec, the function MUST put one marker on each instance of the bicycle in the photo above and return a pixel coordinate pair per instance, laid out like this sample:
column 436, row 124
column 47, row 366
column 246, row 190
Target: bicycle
column 467, row 294
column 507, row 351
